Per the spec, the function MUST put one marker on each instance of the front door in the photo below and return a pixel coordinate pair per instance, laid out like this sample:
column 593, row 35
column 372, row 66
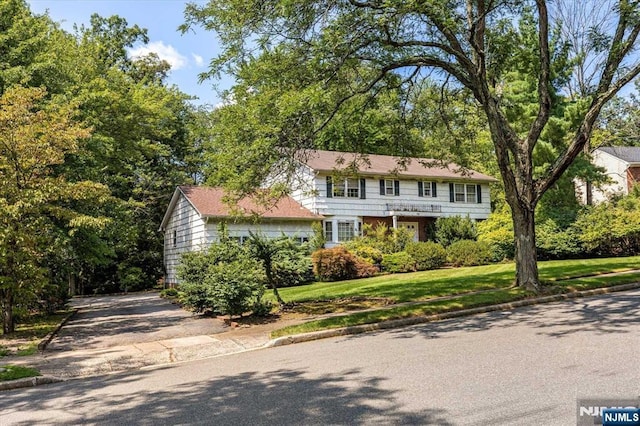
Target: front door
column 412, row 227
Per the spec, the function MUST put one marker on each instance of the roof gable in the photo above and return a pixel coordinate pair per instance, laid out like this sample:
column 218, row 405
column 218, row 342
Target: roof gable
column 386, row 165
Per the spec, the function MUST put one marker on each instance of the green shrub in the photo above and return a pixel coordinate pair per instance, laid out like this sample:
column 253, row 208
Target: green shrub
column 169, row 292
column 555, row 243
column 261, row 308
column 455, row 228
column 367, row 253
column 398, row 262
column 291, row 263
column 468, row 253
column 318, row 239
column 497, row 231
column 382, row 238
column 225, row 279
column 611, row 229
column 233, row 287
column 337, row 264
column 427, row 255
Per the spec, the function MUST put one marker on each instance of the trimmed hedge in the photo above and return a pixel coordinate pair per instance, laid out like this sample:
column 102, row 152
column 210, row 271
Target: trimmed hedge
column 469, row 253
column 398, row 262
column 427, row 255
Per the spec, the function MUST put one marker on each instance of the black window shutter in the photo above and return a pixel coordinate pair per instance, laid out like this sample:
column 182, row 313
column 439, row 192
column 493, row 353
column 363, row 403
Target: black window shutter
column 420, row 189
column 396, row 187
column 452, row 196
column 329, row 187
column 479, row 193
column 363, row 188
column 433, row 189
column 382, row 187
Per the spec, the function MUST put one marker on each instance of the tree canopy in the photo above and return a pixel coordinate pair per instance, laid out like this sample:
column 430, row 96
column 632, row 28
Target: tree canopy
column 92, row 144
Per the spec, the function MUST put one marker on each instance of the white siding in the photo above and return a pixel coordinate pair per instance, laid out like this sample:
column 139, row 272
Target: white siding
column 377, row 205
column 305, row 189
column 295, row 229
column 616, row 170
column 189, row 236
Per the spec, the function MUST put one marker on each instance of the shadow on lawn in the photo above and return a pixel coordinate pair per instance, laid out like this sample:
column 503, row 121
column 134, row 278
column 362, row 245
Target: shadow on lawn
column 612, row 313
column 277, row 397
column 448, row 285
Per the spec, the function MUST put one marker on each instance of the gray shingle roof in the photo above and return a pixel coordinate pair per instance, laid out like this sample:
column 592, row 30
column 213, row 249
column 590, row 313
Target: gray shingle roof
column 630, row 154
column 384, row 165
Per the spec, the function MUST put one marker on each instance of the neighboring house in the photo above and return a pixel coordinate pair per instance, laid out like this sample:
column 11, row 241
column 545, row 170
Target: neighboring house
column 400, row 193
column 194, row 213
column 622, row 166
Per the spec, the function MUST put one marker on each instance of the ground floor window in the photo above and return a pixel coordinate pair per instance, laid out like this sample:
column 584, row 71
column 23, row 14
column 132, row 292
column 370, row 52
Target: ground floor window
column 328, row 231
column 346, row 231
column 240, row 240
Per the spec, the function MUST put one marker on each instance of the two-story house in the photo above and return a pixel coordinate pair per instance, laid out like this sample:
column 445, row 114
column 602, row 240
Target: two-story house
column 401, row 193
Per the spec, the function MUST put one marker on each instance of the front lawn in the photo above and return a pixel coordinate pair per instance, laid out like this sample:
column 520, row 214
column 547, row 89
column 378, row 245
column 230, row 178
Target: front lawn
column 494, row 282
column 426, row 285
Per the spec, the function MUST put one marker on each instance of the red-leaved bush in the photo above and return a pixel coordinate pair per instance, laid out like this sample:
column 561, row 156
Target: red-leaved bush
column 336, row 264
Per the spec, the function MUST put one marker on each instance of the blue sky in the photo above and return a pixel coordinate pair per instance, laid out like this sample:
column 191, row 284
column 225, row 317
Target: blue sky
column 189, row 54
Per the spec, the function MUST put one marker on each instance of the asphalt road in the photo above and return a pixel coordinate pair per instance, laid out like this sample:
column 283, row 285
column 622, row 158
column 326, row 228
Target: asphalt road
column 528, row 367
column 107, row 321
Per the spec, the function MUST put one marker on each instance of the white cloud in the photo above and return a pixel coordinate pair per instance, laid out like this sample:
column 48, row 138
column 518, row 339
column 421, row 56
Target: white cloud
column 198, row 59
column 164, row 51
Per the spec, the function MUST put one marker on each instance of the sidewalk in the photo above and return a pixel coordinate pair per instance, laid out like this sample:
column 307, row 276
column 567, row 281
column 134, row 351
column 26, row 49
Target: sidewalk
column 91, row 362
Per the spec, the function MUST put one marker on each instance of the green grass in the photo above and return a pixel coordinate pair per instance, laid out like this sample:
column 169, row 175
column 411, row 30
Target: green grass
column 443, row 282
column 560, row 276
column 427, row 308
column 29, row 333
column 13, row 372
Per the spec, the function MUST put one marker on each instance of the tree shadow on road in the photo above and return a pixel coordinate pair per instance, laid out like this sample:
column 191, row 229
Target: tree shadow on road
column 613, row 313
column 278, row 397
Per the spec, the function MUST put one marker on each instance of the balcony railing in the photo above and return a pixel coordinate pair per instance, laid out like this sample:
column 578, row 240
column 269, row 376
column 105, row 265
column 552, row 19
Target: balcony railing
column 418, row 208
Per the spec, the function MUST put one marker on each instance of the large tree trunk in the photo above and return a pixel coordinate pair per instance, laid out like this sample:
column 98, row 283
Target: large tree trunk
column 525, row 244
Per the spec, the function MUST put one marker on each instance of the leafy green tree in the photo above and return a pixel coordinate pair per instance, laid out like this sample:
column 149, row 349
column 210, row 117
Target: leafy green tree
column 35, row 137
column 285, row 262
column 473, row 43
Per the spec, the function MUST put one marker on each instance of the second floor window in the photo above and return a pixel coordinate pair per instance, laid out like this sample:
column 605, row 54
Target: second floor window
column 460, row 193
column 353, row 188
column 389, row 187
column 465, row 193
column 350, row 188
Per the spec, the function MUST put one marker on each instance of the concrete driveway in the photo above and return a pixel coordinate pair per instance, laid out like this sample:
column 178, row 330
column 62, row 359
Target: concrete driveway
column 107, row 321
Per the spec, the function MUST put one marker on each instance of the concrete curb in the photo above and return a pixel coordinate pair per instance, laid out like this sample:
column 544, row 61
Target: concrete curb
column 49, row 337
column 358, row 329
column 28, row 382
